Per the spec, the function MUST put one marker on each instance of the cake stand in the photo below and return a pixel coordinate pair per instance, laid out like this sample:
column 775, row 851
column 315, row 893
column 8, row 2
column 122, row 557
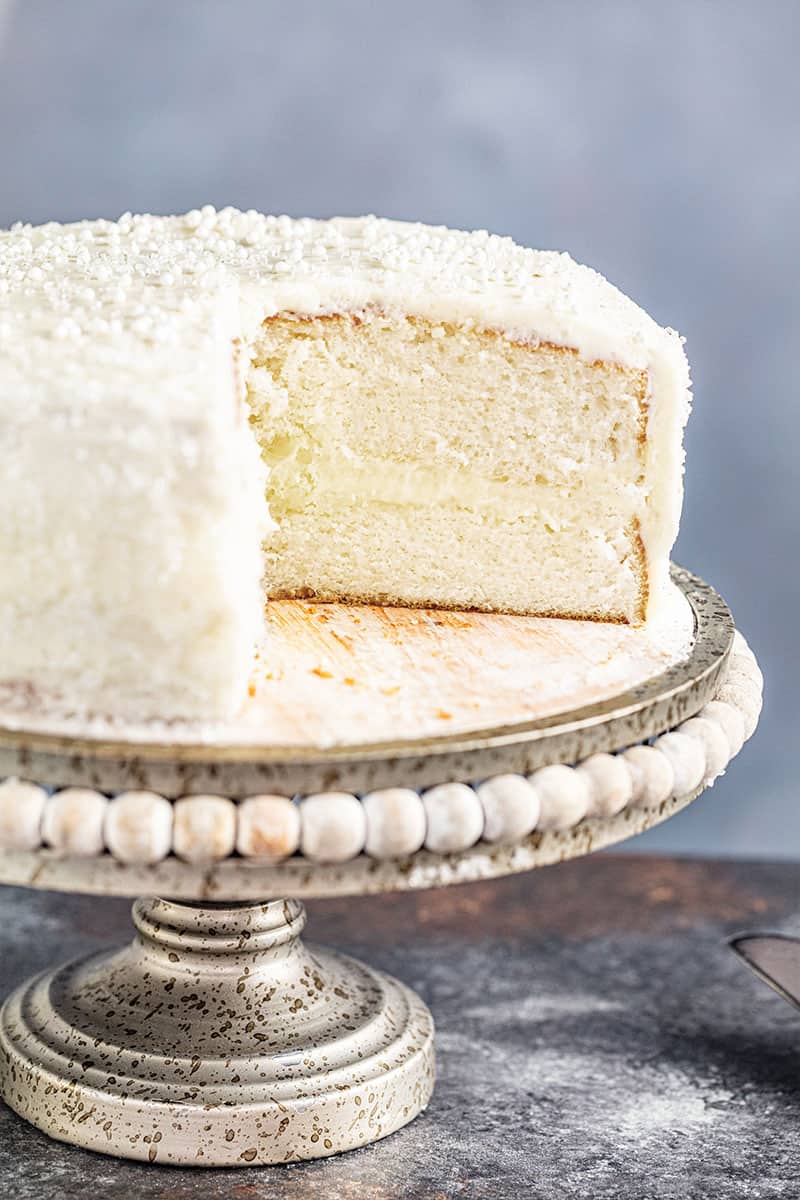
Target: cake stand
column 218, row 1037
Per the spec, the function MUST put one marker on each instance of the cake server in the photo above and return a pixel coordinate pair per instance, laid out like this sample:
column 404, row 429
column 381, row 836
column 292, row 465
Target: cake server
column 775, row 958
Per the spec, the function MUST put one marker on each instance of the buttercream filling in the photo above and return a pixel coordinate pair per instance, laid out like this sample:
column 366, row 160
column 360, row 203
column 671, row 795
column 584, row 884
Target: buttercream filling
column 327, row 481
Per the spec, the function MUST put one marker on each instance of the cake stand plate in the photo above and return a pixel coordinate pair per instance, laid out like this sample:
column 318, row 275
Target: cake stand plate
column 218, row 1038
column 357, row 697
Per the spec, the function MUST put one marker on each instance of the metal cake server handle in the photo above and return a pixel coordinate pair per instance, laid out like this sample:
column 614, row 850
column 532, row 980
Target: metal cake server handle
column 775, row 958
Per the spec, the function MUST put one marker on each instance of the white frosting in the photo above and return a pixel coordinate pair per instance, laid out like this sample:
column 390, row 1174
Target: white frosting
column 130, row 516
column 407, row 483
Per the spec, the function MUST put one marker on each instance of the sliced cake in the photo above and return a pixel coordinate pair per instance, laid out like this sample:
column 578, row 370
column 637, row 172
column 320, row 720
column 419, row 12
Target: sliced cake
column 200, row 412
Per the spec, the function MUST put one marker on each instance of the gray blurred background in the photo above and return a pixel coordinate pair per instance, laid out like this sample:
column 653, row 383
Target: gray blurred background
column 656, row 141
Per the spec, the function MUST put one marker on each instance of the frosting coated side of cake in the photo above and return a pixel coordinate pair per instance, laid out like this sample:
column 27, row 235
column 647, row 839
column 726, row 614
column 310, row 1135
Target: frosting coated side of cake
column 132, row 506
column 133, row 512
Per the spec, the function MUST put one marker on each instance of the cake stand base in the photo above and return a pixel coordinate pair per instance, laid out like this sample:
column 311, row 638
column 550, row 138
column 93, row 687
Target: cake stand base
column 216, row 1038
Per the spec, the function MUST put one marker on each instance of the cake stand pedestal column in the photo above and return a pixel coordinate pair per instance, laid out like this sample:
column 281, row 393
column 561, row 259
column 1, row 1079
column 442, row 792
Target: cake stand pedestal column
column 216, row 1038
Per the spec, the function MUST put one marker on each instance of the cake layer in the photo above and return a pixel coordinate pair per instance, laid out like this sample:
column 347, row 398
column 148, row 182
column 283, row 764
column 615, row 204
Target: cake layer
column 445, row 393
column 450, row 557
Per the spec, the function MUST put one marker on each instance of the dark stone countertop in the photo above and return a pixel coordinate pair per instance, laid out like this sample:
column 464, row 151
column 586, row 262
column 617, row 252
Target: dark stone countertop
column 596, row 1038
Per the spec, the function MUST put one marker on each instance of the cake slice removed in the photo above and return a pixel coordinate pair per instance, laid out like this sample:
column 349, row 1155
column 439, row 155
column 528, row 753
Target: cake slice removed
column 355, row 409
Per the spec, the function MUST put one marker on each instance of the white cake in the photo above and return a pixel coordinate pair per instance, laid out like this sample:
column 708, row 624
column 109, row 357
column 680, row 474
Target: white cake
column 437, row 418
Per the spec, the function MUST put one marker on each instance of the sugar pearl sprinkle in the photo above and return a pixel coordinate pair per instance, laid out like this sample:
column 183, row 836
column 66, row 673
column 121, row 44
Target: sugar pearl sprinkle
column 334, row 828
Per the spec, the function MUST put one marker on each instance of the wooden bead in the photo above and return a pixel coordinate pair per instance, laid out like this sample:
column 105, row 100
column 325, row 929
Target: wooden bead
column 333, row 827
column 204, row 828
column 745, row 671
column 21, row 808
column 510, row 808
column 747, row 698
column 395, row 822
column 741, row 647
column 742, row 682
column 564, row 796
column 73, row 822
column 268, row 827
column 728, row 717
column 688, row 760
column 715, row 744
column 455, row 818
column 138, row 827
column 610, row 784
column 652, row 776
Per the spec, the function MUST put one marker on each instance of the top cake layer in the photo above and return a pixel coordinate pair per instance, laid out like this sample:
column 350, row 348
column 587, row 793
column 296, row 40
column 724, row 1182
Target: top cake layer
column 101, row 292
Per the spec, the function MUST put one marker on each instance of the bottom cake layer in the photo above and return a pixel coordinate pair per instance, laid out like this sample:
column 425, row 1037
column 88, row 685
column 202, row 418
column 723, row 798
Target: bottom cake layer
column 447, row 557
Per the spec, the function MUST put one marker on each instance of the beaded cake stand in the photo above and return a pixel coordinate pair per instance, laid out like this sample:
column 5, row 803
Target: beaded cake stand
column 218, row 1038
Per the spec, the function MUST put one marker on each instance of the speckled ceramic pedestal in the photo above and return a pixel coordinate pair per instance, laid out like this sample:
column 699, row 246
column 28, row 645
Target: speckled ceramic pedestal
column 217, row 1038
